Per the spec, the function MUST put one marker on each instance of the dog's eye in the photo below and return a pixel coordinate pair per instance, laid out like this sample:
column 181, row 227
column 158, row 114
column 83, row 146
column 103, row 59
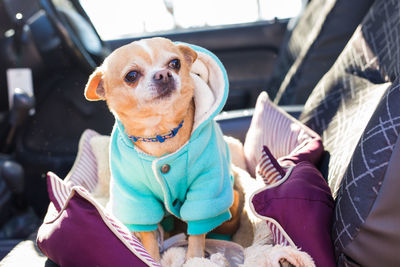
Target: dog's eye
column 174, row 64
column 131, row 76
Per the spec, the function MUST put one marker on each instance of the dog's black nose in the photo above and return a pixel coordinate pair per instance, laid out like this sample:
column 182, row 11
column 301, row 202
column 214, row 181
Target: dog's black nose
column 162, row 76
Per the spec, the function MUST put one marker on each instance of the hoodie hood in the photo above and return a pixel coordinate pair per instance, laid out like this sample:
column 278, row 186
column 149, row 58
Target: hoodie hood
column 211, row 86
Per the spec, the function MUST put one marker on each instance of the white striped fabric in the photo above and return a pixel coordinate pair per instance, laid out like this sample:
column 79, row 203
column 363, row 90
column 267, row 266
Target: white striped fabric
column 272, row 127
column 131, row 239
column 82, row 179
column 268, row 169
column 58, row 190
column 278, row 236
column 84, row 170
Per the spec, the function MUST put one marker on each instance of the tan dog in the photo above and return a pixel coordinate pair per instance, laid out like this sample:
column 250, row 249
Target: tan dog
column 147, row 84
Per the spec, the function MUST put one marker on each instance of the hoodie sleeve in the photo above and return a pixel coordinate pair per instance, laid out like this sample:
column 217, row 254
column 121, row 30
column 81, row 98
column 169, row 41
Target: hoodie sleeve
column 204, row 208
column 210, row 194
column 132, row 208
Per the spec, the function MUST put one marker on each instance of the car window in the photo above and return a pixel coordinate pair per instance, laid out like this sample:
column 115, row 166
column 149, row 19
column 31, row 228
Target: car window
column 129, row 18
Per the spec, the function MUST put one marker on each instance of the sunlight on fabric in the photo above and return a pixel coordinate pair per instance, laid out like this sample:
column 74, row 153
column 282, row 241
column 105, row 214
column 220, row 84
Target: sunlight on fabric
column 122, row 18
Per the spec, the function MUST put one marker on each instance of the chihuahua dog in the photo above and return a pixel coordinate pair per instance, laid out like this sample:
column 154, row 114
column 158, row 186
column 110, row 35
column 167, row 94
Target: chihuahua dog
column 148, row 87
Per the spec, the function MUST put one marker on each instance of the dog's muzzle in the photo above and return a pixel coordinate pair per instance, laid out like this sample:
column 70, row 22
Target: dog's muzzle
column 164, row 83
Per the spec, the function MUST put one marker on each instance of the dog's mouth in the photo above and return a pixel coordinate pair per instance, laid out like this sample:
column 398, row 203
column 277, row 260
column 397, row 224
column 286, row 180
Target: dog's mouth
column 165, row 91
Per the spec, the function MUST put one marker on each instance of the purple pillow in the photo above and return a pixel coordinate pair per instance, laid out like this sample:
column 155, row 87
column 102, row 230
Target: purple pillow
column 77, row 231
column 299, row 202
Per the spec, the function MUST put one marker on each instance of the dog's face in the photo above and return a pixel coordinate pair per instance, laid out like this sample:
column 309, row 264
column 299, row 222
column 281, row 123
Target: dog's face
column 144, row 80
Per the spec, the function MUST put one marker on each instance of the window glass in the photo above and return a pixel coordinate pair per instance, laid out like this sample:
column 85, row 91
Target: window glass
column 127, row 18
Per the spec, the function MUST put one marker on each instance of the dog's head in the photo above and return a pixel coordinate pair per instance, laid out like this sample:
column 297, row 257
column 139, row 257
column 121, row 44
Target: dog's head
column 144, row 78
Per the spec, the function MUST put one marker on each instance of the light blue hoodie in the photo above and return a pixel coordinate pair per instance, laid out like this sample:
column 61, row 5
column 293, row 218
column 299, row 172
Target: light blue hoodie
column 198, row 186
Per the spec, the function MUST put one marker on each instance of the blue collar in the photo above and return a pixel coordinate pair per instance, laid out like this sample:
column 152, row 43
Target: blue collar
column 157, row 138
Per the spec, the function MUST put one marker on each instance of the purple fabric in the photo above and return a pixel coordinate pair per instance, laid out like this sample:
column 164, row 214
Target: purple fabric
column 303, row 206
column 79, row 237
column 311, row 152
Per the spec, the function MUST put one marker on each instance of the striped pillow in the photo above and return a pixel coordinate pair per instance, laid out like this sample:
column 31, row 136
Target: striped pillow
column 289, row 140
column 77, row 231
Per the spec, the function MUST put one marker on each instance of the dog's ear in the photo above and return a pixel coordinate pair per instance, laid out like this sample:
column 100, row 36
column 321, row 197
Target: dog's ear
column 94, row 88
column 189, row 54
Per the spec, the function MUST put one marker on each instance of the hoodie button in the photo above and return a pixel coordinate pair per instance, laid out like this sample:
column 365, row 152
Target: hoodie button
column 165, row 168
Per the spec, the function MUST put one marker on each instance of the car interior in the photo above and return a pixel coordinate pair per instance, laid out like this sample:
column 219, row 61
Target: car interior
column 335, row 67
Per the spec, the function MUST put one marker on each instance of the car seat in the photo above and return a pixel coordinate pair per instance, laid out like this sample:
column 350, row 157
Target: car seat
column 312, row 46
column 355, row 108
